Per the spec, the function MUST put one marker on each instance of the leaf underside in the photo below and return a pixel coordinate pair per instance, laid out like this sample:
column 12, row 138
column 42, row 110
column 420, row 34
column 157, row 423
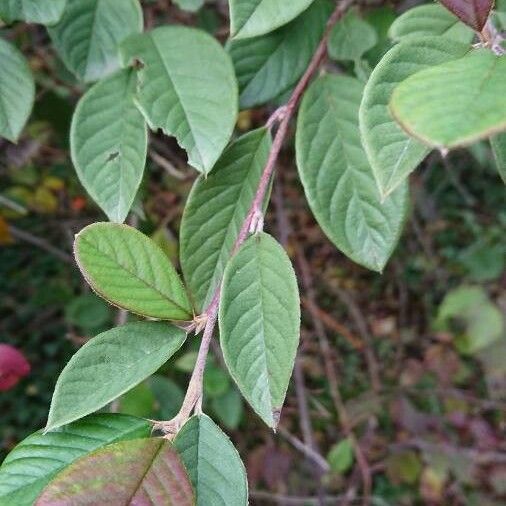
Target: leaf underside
column 17, row 91
column 259, row 323
column 213, row 464
column 109, row 365
column 215, row 211
column 131, row 271
column 473, row 13
column 88, row 35
column 186, row 87
column 337, row 178
column 392, row 153
column 109, row 143
column 251, row 18
column 136, row 472
column 455, row 103
column 37, row 459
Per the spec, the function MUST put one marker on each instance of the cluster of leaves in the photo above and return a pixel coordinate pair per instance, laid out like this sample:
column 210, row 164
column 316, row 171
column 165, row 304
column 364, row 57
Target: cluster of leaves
column 356, row 144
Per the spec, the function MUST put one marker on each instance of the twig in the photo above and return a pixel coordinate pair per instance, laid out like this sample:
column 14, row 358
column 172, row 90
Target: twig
column 193, row 397
column 167, row 165
column 41, row 243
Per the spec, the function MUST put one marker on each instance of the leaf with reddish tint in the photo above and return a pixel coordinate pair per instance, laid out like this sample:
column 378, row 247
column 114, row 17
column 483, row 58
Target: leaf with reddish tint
column 13, row 367
column 472, row 12
column 139, row 472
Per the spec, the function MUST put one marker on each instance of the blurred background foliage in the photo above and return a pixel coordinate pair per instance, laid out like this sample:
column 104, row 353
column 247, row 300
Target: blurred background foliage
column 420, row 352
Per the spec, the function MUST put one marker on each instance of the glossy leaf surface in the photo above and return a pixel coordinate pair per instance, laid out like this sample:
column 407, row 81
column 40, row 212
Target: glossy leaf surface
column 337, row 178
column 109, row 365
column 131, row 271
column 259, row 322
column 109, row 143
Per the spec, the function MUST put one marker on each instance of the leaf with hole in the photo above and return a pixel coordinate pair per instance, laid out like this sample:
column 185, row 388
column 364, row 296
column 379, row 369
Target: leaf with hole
column 32, row 11
column 351, row 37
column 129, row 473
column 392, row 153
column 186, row 86
column 498, row 143
column 455, row 103
column 430, row 20
column 213, row 464
column 17, row 91
column 259, row 321
column 216, row 208
column 34, row 462
column 131, row 271
column 267, row 66
column 337, row 178
column 109, row 365
column 473, row 13
column 88, row 35
column 251, row 18
column 108, row 140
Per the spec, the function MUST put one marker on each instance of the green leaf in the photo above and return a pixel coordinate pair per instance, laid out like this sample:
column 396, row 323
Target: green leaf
column 187, row 87
column 108, row 140
column 498, row 144
column 267, row 66
column 89, row 33
column 88, row 312
column 455, row 103
column 141, row 471
column 214, row 465
column 109, row 365
column 38, row 458
column 32, row 11
column 229, row 408
column 430, row 20
column 337, row 179
column 168, row 396
column 139, row 401
column 340, row 457
column 251, row 18
column 189, row 5
column 351, row 37
column 259, row 322
column 131, row 271
column 216, row 381
column 17, row 91
column 215, row 211
column 392, row 153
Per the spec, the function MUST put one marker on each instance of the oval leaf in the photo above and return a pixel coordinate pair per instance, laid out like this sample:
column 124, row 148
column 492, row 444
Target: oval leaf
column 259, row 322
column 213, row 464
column 351, row 37
column 216, row 208
column 455, row 103
column 109, row 365
column 269, row 65
column 32, row 11
column 89, row 33
column 186, row 87
column 108, row 141
column 337, row 178
column 429, row 20
column 392, row 153
column 40, row 457
column 250, row 18
column 498, row 144
column 129, row 473
column 17, row 91
column 131, row 271
column 472, row 12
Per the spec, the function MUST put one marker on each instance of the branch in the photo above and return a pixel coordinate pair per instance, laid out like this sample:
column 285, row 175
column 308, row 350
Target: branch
column 252, row 223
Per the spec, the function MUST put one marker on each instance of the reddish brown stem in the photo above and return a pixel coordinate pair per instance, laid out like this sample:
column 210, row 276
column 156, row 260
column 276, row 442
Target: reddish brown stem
column 193, row 395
